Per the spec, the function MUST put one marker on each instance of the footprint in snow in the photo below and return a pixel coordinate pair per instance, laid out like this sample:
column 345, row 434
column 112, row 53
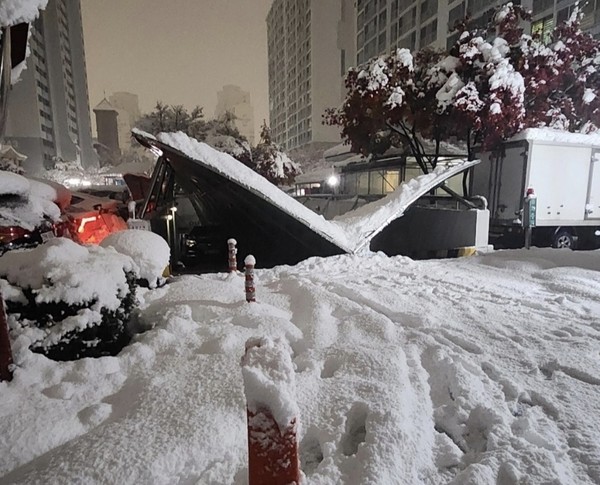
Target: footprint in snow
column 356, row 429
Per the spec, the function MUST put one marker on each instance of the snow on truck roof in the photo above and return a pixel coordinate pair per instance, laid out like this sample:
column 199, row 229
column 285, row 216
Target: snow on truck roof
column 350, row 233
column 557, row 136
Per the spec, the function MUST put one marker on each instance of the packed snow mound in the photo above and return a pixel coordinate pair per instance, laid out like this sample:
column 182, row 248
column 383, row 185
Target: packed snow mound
column 150, row 252
column 13, row 184
column 474, row 371
column 26, row 203
column 62, row 270
column 14, row 12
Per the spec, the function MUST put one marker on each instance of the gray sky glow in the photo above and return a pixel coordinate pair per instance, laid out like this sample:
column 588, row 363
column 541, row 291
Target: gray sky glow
column 177, row 51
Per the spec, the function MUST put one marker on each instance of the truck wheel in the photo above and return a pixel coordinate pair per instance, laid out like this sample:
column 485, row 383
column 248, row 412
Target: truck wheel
column 563, row 239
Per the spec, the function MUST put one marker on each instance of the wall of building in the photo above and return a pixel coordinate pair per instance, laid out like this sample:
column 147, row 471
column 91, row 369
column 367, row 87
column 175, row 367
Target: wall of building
column 48, row 110
column 304, row 70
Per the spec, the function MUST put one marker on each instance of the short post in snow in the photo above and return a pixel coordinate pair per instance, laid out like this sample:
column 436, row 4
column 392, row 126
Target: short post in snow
column 529, row 215
column 6, row 360
column 272, row 413
column 232, row 251
column 249, row 263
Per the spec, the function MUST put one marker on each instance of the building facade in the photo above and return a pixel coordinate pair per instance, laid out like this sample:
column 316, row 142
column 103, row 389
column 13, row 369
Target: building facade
column 310, row 45
column 48, row 110
column 384, row 25
column 232, row 99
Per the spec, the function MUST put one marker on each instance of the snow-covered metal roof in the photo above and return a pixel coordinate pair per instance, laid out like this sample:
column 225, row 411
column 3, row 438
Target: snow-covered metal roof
column 349, row 233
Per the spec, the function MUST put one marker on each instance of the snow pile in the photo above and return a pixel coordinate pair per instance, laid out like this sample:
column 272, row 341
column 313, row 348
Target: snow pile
column 269, row 380
column 14, row 12
column 470, row 371
column 26, row 203
column 150, row 252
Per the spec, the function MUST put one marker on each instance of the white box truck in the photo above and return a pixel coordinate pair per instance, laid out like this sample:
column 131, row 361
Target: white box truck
column 562, row 169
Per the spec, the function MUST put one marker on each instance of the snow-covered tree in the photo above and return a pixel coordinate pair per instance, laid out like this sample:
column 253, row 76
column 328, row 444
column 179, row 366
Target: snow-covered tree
column 491, row 84
column 271, row 162
column 221, row 133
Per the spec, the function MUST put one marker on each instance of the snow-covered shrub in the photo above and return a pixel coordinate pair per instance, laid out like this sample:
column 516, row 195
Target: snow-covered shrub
column 150, row 252
column 69, row 301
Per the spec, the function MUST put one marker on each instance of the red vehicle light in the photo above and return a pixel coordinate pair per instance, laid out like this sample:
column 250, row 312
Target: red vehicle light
column 10, row 233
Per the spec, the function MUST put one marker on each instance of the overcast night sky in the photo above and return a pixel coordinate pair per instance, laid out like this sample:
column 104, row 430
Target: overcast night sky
column 178, row 51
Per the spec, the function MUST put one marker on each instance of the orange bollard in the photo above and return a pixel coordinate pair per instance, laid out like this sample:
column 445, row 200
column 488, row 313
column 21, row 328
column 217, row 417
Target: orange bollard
column 231, row 245
column 6, row 359
column 272, row 413
column 250, row 262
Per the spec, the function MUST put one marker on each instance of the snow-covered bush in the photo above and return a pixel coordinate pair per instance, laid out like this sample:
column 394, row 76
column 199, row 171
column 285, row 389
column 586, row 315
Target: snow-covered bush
column 69, row 301
column 150, row 252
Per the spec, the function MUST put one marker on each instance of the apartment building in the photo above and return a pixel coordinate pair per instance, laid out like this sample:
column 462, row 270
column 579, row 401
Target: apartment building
column 310, row 44
column 232, row 99
column 48, row 110
column 384, row 25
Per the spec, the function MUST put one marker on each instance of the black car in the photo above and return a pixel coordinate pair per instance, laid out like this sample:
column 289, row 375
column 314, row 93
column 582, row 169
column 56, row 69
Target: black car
column 205, row 244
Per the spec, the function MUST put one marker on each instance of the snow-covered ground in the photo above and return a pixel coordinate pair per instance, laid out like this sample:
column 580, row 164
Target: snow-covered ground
column 482, row 370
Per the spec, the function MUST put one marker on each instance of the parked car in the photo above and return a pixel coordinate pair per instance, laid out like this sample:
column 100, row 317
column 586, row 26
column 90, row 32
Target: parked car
column 205, row 244
column 92, row 218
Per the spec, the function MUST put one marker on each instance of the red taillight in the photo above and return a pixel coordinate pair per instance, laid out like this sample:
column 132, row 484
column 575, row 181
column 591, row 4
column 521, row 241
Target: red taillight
column 10, row 233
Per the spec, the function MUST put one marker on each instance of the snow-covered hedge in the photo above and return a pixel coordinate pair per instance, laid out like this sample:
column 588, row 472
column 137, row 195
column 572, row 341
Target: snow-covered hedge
column 69, row 301
column 150, row 252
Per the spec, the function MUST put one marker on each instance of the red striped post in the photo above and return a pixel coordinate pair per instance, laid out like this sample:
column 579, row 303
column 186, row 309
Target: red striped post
column 272, row 413
column 249, row 263
column 6, row 359
column 231, row 244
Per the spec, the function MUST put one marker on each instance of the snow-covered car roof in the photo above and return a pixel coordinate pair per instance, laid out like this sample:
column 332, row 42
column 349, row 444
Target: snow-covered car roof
column 26, row 203
column 13, row 12
column 348, row 234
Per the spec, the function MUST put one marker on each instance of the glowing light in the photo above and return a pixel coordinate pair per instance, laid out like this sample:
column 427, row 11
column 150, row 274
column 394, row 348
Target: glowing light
column 333, row 181
column 84, row 221
column 169, row 217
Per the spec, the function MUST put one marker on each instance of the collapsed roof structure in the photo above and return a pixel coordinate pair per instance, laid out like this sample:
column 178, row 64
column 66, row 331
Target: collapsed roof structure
column 264, row 220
